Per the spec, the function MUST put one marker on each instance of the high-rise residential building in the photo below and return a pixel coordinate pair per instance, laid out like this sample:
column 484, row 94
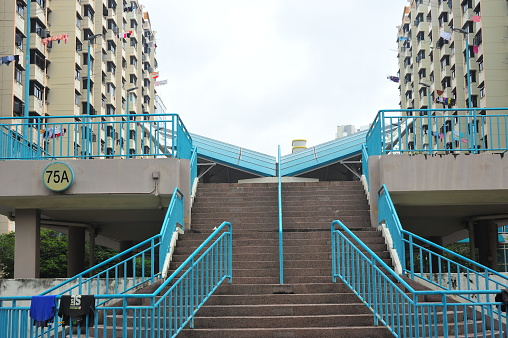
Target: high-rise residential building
column 63, row 36
column 434, row 63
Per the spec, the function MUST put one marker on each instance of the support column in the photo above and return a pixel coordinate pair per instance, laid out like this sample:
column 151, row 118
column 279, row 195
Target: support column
column 486, row 242
column 27, row 243
column 76, row 251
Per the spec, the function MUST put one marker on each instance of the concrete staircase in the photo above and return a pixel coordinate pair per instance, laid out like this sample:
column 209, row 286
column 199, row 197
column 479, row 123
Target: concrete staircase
column 308, row 304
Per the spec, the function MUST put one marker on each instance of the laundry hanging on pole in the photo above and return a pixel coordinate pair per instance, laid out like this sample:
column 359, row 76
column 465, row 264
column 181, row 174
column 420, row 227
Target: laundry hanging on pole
column 59, row 37
column 445, row 101
column 8, row 59
column 446, row 36
column 124, row 35
column 393, row 78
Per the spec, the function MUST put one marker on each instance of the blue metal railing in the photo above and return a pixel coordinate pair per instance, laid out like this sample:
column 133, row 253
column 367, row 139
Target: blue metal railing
column 174, row 219
column 163, row 313
column 405, row 311
column 193, row 169
column 195, row 280
column 438, row 130
column 100, row 136
column 365, row 163
column 281, row 248
column 425, row 260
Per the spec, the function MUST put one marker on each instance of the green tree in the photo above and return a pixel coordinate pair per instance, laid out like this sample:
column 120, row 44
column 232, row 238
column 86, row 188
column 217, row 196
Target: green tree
column 53, row 252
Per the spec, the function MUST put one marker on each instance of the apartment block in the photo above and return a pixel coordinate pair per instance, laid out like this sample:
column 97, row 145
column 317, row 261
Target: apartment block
column 66, row 37
column 434, row 63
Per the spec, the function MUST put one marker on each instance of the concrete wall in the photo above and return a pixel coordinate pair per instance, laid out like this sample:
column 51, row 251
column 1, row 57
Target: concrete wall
column 107, row 192
column 435, row 195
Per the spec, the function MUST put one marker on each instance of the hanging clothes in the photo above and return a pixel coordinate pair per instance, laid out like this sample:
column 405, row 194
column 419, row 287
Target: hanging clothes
column 78, row 309
column 53, row 132
column 393, row 78
column 59, row 37
column 445, row 101
column 43, row 310
column 8, row 59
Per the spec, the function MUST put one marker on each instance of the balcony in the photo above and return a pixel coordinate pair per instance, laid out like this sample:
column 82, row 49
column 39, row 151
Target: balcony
column 87, row 23
column 36, row 11
column 110, row 77
column 37, row 74
column 36, row 42
column 110, row 56
column 110, row 99
column 36, row 105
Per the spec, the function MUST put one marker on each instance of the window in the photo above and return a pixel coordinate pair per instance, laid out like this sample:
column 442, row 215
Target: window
column 422, row 73
column 77, row 98
column 38, row 28
column 480, row 64
column 78, row 21
column 41, row 3
column 77, row 74
column 112, row 4
column 85, row 84
column 37, row 58
column 133, row 79
column 20, row 8
column 446, row 82
column 420, row 56
column 134, row 24
column 443, row 19
column 133, row 61
column 110, row 109
column 19, row 39
column 110, row 88
column 134, row 42
column 112, row 25
column 466, row 4
column 420, row 36
column 482, row 89
column 18, row 75
column 111, row 68
column 445, row 61
column 88, row 11
column 472, row 74
column 111, row 46
column 36, row 89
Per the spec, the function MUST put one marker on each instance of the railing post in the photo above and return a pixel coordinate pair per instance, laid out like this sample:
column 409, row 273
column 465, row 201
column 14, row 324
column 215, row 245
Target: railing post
column 230, row 253
column 334, row 253
column 374, row 287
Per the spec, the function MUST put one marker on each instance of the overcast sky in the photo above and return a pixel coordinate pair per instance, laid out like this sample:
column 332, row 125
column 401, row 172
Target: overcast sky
column 260, row 73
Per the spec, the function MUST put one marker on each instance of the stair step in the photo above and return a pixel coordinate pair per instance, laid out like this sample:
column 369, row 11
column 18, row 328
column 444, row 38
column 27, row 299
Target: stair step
column 322, row 332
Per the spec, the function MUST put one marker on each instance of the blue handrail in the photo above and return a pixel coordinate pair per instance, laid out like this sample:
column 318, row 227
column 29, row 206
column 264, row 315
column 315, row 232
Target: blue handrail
column 165, row 312
column 438, row 130
column 405, row 311
column 417, row 256
column 174, row 218
column 281, row 248
column 102, row 136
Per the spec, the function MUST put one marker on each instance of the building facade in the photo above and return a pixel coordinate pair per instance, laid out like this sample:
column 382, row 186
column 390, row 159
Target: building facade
column 64, row 36
column 434, row 63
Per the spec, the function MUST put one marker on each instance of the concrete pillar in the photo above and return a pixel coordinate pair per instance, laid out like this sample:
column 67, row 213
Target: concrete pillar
column 27, row 243
column 486, row 242
column 76, row 251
